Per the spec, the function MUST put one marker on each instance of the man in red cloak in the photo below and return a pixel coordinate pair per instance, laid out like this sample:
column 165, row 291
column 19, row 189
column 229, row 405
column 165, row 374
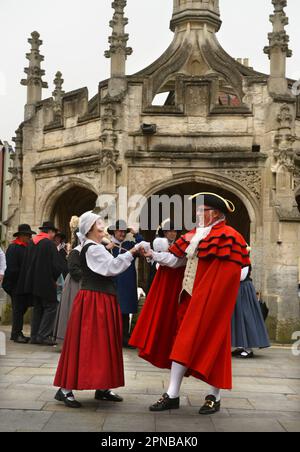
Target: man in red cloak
column 185, row 324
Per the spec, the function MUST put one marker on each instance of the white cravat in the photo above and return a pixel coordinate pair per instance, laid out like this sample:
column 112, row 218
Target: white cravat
column 201, row 234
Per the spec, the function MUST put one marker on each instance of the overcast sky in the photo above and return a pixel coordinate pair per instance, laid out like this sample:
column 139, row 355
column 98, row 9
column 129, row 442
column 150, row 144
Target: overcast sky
column 75, row 35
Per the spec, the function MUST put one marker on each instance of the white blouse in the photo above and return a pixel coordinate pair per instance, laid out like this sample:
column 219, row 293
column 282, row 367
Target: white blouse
column 2, row 262
column 100, row 261
column 169, row 260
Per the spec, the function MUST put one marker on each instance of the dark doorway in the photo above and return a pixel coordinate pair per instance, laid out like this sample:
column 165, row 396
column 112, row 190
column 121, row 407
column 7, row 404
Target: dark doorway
column 74, row 202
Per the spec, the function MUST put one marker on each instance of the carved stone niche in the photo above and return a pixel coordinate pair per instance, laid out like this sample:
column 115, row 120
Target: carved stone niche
column 197, row 98
column 283, row 180
column 75, row 103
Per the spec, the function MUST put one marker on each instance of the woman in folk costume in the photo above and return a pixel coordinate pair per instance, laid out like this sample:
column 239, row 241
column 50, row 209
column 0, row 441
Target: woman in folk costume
column 248, row 327
column 92, row 353
column 185, row 323
column 72, row 284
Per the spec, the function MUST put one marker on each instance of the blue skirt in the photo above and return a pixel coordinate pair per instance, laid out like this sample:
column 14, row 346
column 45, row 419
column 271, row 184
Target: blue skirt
column 248, row 328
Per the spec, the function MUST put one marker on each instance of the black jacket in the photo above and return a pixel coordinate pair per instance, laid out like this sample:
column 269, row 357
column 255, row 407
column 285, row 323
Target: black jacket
column 41, row 269
column 14, row 261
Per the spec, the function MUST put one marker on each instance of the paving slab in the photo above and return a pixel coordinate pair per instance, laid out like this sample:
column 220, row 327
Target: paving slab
column 265, row 397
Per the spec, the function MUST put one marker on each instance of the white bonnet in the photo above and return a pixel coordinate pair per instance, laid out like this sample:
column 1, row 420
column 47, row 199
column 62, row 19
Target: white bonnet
column 86, row 222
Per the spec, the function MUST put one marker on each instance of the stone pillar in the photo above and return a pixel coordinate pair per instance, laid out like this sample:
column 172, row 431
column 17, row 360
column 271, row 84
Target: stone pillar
column 118, row 51
column 278, row 49
column 34, row 81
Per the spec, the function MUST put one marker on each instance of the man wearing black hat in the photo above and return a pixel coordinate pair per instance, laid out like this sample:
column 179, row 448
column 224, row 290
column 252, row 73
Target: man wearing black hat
column 126, row 282
column 185, row 325
column 42, row 269
column 14, row 259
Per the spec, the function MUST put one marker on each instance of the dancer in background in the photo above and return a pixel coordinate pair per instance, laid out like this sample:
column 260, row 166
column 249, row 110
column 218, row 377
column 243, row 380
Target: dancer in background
column 70, row 291
column 248, row 328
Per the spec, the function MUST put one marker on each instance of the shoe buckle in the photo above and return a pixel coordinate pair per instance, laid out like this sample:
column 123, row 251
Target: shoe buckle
column 210, row 404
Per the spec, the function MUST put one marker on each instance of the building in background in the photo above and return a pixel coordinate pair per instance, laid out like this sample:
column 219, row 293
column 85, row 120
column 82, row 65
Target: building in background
column 6, row 152
column 223, row 127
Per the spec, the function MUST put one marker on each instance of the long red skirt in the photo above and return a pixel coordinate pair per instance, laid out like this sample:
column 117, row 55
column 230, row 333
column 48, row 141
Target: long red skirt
column 92, row 355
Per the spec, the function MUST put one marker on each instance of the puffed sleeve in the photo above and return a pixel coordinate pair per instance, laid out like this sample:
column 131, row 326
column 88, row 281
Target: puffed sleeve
column 100, row 261
column 2, row 262
column 169, row 260
column 244, row 273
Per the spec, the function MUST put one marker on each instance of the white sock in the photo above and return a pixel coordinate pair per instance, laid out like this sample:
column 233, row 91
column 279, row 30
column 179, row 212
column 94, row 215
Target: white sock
column 177, row 373
column 67, row 391
column 215, row 392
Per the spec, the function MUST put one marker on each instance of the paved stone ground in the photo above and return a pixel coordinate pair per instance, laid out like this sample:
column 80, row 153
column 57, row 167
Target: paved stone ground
column 266, row 397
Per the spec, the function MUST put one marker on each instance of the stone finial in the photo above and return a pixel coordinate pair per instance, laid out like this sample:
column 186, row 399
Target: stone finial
column 278, row 49
column 204, row 11
column 34, row 81
column 278, row 38
column 58, row 83
column 118, row 51
column 58, row 93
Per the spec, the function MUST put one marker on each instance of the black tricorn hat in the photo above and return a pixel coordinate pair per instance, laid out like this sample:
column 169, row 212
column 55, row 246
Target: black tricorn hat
column 165, row 226
column 120, row 225
column 215, row 201
column 24, row 229
column 48, row 226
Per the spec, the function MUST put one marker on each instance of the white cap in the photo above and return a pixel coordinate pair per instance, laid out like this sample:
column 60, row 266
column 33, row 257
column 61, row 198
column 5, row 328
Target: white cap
column 86, row 222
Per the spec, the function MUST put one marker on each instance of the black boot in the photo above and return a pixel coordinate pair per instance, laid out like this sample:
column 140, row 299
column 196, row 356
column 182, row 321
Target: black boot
column 211, row 406
column 67, row 399
column 107, row 395
column 165, row 403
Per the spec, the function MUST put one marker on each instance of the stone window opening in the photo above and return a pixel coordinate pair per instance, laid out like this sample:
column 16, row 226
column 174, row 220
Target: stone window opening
column 164, row 99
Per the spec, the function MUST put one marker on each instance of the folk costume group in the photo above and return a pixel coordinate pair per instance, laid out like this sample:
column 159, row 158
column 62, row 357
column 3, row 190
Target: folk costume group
column 189, row 323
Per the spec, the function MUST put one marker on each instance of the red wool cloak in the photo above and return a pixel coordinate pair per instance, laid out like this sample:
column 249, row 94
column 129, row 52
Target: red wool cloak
column 195, row 331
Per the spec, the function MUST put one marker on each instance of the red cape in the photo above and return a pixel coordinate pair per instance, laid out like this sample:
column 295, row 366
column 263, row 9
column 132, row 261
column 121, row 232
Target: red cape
column 197, row 332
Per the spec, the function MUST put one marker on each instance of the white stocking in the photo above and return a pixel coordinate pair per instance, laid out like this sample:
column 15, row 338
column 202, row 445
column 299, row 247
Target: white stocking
column 215, row 392
column 177, row 373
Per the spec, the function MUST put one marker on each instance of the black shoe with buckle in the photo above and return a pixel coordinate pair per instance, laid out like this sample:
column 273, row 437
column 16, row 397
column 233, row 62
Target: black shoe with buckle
column 237, row 352
column 165, row 403
column 211, row 406
column 67, row 399
column 107, row 395
column 246, row 355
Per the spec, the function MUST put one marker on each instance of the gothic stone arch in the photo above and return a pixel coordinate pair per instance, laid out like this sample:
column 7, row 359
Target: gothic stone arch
column 222, row 183
column 68, row 199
